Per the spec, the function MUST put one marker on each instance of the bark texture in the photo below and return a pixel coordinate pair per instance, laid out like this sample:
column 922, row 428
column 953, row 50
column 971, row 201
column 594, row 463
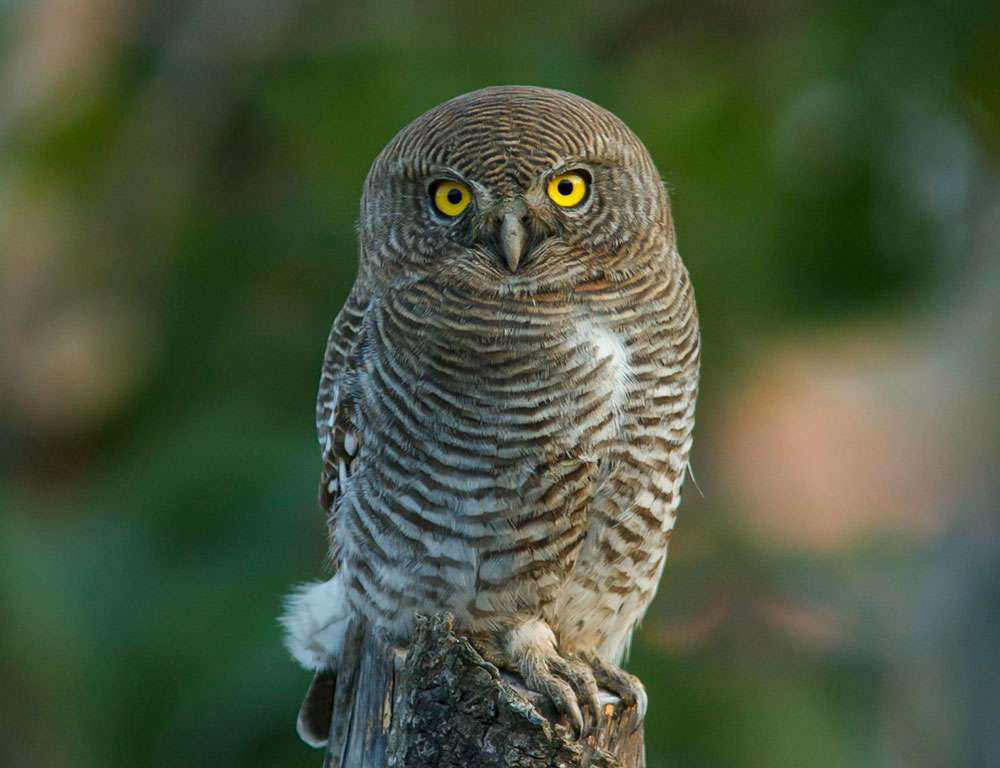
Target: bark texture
column 440, row 705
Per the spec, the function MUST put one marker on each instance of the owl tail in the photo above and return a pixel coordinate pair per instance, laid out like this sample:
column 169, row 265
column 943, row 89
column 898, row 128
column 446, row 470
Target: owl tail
column 315, row 620
column 316, row 712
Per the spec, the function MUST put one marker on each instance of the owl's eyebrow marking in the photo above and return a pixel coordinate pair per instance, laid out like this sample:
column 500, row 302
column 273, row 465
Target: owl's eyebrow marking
column 443, row 170
column 581, row 162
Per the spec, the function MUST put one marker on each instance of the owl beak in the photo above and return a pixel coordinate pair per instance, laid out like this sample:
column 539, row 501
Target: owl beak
column 513, row 236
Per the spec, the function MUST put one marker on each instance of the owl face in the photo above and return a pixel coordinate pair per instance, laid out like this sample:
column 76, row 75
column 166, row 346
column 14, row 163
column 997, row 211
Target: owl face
column 512, row 189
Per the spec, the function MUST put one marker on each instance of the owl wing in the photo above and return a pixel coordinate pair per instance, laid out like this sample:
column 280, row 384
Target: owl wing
column 337, row 439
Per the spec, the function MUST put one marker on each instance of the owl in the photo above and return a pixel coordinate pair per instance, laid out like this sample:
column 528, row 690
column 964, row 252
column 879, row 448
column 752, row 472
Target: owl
column 507, row 397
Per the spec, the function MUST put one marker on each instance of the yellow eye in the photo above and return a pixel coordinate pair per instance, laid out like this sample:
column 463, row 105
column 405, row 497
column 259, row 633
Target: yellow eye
column 568, row 189
column 451, row 198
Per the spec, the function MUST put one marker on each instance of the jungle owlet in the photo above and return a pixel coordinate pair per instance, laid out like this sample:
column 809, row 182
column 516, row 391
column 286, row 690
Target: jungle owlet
column 507, row 397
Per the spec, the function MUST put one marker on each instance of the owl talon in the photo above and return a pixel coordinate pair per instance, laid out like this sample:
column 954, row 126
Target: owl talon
column 530, row 649
column 581, row 679
column 538, row 675
column 615, row 679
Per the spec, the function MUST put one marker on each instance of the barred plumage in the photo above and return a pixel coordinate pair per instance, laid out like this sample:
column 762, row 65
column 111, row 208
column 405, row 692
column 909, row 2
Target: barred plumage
column 507, row 441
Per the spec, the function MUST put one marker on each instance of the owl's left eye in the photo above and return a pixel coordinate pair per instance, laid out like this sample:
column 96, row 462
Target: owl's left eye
column 568, row 189
column 450, row 197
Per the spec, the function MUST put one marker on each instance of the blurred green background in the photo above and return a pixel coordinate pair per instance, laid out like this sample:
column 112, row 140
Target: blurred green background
column 179, row 185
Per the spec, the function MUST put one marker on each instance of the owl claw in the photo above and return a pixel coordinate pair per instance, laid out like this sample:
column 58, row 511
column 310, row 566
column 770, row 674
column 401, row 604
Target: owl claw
column 583, row 683
column 617, row 680
column 539, row 674
column 530, row 649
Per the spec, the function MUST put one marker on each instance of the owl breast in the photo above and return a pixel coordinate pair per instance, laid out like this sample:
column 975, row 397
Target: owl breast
column 482, row 423
column 513, row 450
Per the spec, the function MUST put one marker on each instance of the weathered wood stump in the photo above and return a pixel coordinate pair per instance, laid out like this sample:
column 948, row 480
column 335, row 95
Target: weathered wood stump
column 440, row 705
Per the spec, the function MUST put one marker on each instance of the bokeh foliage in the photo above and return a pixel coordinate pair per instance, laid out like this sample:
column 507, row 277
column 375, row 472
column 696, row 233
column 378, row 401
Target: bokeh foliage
column 179, row 184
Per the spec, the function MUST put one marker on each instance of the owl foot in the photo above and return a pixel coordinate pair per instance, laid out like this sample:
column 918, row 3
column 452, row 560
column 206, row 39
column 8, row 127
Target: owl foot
column 615, row 679
column 530, row 649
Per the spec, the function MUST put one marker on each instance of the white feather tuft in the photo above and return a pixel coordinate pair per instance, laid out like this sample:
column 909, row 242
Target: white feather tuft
column 531, row 636
column 315, row 620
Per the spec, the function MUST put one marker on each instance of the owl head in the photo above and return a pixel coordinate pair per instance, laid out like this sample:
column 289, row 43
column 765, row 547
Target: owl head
column 513, row 189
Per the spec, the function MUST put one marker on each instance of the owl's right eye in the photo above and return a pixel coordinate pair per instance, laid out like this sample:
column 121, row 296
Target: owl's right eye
column 450, row 197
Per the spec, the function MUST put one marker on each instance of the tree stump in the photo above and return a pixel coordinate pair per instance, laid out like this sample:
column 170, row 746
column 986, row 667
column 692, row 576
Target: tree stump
column 439, row 704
